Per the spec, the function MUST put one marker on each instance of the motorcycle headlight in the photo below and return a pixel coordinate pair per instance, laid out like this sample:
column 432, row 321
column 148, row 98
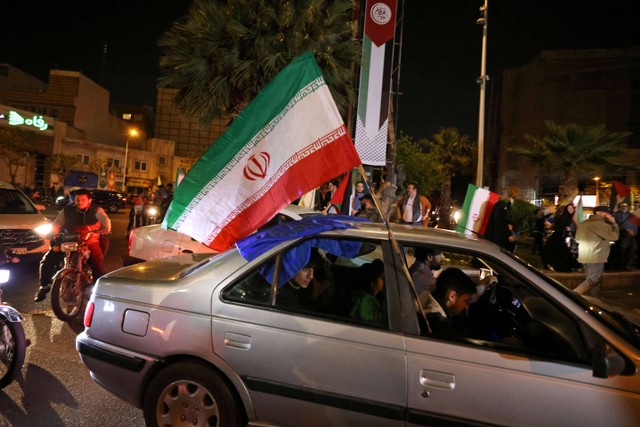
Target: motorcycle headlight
column 4, row 275
column 44, row 229
column 69, row 246
column 152, row 211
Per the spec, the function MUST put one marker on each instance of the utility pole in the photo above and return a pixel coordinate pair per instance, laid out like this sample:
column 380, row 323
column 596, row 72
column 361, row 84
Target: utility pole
column 482, row 80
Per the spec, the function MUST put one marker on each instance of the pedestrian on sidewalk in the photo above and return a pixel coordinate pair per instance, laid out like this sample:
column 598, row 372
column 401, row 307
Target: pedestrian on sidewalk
column 593, row 236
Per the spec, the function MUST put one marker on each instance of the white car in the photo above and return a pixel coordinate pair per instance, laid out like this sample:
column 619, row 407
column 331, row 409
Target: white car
column 154, row 242
column 22, row 224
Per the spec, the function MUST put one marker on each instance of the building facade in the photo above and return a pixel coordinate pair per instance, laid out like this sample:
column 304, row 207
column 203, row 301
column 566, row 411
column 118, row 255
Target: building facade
column 74, row 118
column 587, row 87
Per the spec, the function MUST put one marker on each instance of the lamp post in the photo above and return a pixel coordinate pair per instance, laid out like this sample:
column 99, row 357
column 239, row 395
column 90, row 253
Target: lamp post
column 482, row 80
column 132, row 132
column 597, row 180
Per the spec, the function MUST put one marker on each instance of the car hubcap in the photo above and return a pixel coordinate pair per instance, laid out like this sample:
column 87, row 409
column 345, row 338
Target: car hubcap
column 187, row 403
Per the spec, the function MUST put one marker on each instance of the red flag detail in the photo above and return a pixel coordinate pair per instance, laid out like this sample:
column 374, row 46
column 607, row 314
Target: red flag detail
column 338, row 196
column 622, row 190
column 380, row 21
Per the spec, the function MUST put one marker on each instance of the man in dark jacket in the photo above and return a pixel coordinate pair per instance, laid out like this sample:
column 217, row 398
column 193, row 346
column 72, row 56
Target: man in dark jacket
column 80, row 217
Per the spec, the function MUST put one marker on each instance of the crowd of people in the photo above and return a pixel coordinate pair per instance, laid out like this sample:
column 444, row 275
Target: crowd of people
column 560, row 251
column 410, row 208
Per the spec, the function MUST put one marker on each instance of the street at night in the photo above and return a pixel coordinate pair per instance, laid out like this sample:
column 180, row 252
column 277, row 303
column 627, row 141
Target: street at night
column 55, row 388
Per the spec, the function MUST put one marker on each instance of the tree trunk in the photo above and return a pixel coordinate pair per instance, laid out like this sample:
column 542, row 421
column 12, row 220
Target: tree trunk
column 444, row 220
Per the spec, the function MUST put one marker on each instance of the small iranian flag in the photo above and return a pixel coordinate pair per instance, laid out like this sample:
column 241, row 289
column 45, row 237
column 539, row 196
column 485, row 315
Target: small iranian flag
column 287, row 141
column 478, row 204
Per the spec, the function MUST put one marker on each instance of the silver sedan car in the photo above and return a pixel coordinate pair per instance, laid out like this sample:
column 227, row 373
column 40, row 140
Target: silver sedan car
column 317, row 323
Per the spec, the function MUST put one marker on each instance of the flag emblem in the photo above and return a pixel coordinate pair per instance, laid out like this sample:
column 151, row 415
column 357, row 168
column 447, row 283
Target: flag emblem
column 380, row 13
column 288, row 140
column 257, row 166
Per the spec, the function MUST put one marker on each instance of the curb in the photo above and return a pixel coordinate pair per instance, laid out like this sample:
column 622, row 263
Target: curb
column 611, row 280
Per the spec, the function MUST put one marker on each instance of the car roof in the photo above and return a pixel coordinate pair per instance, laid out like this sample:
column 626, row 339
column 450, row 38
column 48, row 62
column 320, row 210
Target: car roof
column 7, row 186
column 261, row 242
column 296, row 212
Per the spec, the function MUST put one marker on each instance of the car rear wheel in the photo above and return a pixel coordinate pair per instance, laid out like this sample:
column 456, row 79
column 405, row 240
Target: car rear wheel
column 191, row 394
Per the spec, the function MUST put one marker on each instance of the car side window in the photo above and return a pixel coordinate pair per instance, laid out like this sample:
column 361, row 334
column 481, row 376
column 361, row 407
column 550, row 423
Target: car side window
column 252, row 289
column 337, row 279
column 481, row 302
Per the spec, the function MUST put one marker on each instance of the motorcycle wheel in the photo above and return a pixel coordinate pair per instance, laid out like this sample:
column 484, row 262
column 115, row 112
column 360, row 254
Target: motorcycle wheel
column 66, row 298
column 13, row 347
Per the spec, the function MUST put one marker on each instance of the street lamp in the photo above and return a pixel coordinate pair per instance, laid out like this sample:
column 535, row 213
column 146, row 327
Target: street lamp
column 132, row 132
column 482, row 80
column 597, row 180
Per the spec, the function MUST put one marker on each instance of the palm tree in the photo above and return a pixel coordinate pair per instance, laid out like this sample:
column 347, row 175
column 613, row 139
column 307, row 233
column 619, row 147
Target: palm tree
column 577, row 151
column 222, row 53
column 452, row 153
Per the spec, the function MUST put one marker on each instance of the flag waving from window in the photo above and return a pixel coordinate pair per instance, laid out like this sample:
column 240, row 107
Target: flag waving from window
column 287, row 141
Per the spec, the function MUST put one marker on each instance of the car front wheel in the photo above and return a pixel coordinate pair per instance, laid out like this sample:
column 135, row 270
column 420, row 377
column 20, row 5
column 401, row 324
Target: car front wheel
column 191, row 394
column 113, row 208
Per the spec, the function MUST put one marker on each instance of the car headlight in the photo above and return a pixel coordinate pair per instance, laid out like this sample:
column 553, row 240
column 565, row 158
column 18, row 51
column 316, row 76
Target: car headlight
column 44, row 229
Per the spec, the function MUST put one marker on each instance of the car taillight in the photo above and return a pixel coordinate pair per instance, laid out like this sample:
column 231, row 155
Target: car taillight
column 88, row 314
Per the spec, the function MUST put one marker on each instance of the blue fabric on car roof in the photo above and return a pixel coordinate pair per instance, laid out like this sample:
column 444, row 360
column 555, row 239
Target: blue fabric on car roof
column 258, row 243
column 295, row 258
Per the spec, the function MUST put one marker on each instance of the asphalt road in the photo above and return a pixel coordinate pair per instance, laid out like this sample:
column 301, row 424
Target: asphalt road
column 55, row 388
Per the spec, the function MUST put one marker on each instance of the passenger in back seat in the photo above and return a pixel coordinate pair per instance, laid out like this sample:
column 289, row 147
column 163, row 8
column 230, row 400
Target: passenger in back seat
column 367, row 307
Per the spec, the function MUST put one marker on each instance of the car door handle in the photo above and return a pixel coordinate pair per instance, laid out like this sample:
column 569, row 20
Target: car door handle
column 441, row 380
column 239, row 341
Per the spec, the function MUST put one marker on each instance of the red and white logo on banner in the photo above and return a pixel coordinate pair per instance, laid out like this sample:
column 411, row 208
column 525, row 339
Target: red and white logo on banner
column 380, row 21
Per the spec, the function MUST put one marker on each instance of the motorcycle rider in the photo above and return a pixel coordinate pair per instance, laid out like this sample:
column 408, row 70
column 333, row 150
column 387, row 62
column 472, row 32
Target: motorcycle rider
column 78, row 217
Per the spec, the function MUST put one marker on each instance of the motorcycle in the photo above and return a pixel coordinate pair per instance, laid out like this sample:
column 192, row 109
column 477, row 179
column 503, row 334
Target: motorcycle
column 13, row 344
column 70, row 282
column 152, row 214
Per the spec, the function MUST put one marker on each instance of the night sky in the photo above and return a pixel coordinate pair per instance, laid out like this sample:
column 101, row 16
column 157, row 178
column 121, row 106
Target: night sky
column 440, row 59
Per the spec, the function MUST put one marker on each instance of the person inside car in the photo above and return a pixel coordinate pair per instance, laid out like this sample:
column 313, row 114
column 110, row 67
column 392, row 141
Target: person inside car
column 79, row 217
column 367, row 307
column 311, row 288
column 453, row 293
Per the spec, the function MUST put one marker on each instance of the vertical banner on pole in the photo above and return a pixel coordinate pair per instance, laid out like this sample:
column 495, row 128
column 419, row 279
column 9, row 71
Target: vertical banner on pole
column 375, row 81
column 103, row 178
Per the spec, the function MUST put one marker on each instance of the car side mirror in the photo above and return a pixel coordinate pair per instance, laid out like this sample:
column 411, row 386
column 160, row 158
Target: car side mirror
column 607, row 362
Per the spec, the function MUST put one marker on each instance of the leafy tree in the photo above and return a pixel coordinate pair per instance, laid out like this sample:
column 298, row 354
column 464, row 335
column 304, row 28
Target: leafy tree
column 416, row 165
column 523, row 216
column 223, row 52
column 577, row 151
column 15, row 146
column 61, row 164
column 451, row 153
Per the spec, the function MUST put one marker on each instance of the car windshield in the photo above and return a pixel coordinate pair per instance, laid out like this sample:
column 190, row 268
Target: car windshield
column 15, row 202
column 619, row 319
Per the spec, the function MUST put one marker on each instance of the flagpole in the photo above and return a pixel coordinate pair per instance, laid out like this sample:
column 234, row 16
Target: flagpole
column 394, row 244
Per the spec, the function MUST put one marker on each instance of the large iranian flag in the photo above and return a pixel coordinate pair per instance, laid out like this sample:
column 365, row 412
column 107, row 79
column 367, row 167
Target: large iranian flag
column 287, row 141
column 476, row 210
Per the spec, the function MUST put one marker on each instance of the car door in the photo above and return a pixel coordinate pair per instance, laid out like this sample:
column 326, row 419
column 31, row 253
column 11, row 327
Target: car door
column 540, row 375
column 314, row 368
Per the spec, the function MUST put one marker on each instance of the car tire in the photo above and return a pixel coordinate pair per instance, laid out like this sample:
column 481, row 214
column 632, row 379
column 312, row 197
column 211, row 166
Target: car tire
column 113, row 208
column 191, row 391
